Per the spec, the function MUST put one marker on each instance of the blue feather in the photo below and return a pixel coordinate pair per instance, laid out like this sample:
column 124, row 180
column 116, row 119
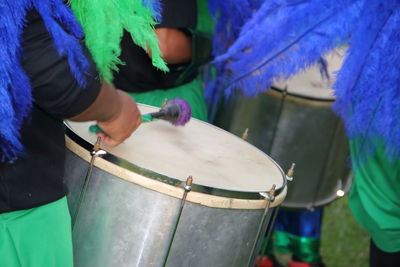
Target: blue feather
column 64, row 15
column 230, row 16
column 15, row 88
column 65, row 44
column 271, row 50
column 285, row 37
column 11, row 113
column 155, row 7
column 368, row 85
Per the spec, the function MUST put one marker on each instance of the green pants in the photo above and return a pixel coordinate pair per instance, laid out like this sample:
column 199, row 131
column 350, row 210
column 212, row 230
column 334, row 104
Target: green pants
column 38, row 237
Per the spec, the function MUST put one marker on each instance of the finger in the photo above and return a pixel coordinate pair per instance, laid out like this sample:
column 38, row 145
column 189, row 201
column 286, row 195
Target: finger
column 107, row 140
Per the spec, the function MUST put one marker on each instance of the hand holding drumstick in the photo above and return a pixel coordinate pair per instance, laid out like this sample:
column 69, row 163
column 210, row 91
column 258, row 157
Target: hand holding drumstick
column 177, row 111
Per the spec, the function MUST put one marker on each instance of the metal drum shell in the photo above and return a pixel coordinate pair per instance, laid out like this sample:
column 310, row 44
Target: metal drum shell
column 127, row 218
column 300, row 129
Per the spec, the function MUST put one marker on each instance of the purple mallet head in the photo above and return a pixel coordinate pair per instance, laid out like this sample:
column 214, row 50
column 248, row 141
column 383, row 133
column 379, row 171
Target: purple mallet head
column 185, row 112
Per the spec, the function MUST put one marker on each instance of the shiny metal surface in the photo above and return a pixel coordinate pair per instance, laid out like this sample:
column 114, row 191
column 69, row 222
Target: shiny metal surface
column 263, row 226
column 214, row 157
column 121, row 223
column 131, row 166
column 291, row 128
column 214, row 237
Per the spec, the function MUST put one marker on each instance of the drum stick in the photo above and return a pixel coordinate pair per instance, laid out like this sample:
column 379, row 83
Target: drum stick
column 177, row 111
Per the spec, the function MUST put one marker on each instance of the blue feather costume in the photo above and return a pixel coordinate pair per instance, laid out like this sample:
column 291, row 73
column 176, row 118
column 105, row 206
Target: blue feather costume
column 15, row 90
column 284, row 37
column 230, row 16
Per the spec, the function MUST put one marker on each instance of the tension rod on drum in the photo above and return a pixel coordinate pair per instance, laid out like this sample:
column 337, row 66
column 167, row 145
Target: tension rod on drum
column 187, row 187
column 96, row 151
column 245, row 134
column 290, row 173
column 270, row 196
column 289, row 177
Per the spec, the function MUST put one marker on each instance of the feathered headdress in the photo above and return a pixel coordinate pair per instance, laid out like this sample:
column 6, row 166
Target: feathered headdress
column 104, row 21
column 15, row 90
column 284, row 37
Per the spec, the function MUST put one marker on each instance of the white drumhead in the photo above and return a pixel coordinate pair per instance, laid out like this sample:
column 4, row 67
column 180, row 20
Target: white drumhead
column 311, row 83
column 213, row 157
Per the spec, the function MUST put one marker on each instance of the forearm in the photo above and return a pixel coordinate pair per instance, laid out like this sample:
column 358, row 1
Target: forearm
column 106, row 105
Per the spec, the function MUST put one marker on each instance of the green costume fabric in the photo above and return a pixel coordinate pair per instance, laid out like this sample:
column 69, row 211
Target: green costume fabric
column 192, row 92
column 375, row 197
column 47, row 229
column 204, row 20
column 303, row 248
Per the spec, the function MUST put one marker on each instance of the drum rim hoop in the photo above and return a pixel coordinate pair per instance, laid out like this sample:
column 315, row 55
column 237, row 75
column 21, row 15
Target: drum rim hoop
column 280, row 193
column 327, row 100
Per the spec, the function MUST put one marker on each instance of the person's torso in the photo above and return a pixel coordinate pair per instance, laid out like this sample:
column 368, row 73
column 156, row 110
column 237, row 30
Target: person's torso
column 138, row 74
column 36, row 177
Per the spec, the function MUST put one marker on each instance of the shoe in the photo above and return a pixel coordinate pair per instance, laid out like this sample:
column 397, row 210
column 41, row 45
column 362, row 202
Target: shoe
column 305, row 264
column 267, row 261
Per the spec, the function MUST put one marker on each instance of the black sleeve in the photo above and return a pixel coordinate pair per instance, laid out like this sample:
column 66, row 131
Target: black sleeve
column 178, row 14
column 54, row 88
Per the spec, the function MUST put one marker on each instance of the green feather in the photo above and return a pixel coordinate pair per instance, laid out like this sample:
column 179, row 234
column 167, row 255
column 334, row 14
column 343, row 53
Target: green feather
column 103, row 22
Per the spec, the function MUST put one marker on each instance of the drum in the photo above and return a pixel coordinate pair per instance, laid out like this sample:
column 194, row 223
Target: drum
column 293, row 122
column 132, row 206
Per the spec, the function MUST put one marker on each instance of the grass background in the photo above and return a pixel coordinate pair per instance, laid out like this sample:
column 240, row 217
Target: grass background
column 343, row 242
